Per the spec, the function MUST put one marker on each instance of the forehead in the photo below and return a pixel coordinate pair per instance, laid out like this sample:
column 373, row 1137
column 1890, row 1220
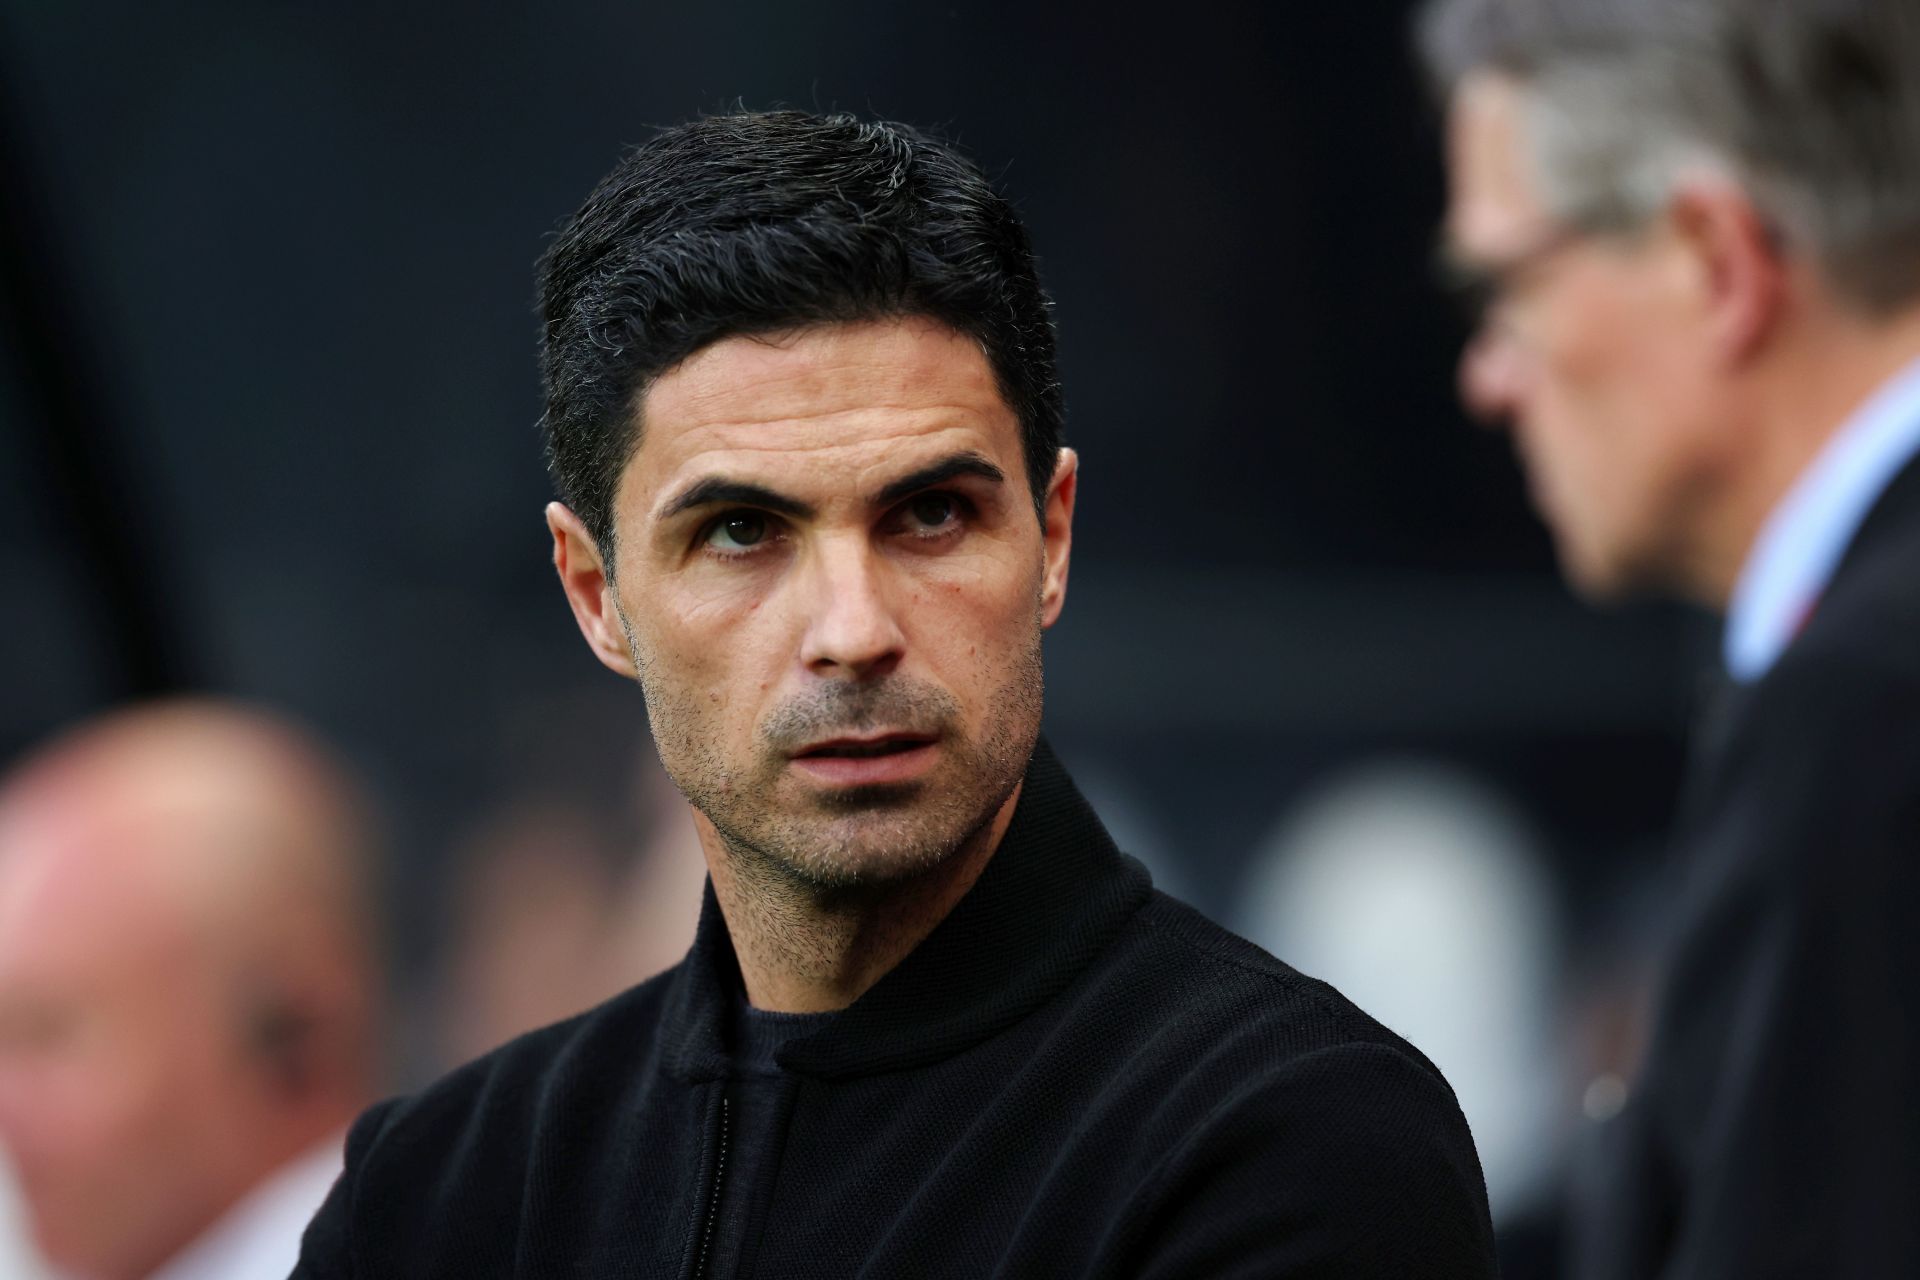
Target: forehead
column 1494, row 199
column 830, row 404
column 72, row 903
column 91, row 873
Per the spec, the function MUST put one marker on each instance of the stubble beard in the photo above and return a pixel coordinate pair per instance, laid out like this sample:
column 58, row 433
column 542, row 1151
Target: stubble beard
column 845, row 842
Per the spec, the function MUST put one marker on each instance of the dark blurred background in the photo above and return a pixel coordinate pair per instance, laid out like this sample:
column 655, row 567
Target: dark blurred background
column 269, row 401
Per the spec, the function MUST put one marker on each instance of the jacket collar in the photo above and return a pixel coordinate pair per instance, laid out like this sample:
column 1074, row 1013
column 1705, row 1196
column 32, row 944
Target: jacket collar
column 1052, row 896
column 1897, row 508
column 1891, row 527
column 1797, row 550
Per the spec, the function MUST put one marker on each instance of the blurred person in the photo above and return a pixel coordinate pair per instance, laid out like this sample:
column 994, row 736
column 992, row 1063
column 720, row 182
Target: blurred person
column 1605, row 1020
column 803, row 413
column 1696, row 224
column 1417, row 891
column 548, row 922
column 531, row 930
column 657, row 902
column 187, row 990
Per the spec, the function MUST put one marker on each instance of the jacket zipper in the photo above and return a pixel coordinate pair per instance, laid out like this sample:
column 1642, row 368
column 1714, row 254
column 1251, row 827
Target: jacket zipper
column 713, row 1201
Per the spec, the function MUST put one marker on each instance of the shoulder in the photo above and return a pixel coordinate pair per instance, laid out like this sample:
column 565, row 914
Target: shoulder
column 1292, row 1104
column 440, row 1176
column 1805, row 807
column 483, row 1115
column 1222, row 976
column 1848, row 687
column 1252, row 1033
column 1842, row 706
column 1869, row 617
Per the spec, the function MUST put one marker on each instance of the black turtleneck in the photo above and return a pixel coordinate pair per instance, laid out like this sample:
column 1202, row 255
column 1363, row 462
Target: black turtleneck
column 1072, row 1075
column 759, row 1092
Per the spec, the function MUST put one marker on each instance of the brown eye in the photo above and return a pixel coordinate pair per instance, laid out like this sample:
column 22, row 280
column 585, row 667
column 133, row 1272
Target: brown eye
column 932, row 510
column 738, row 531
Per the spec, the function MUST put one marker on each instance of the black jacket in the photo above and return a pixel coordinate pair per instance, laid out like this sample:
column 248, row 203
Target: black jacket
column 1073, row 1075
column 1776, row 1128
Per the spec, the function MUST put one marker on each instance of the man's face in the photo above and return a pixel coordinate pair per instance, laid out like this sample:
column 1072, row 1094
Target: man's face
column 124, row 1093
column 1589, row 352
column 833, row 584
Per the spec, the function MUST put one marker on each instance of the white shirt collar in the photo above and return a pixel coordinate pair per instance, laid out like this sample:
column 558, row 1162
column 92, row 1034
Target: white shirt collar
column 1805, row 536
column 260, row 1236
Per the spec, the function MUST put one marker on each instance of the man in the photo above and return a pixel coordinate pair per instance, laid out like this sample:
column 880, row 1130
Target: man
column 803, row 415
column 187, row 991
column 1699, row 221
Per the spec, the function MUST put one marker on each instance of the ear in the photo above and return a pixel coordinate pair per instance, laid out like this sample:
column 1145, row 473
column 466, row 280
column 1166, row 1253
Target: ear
column 1738, row 271
column 576, row 558
column 285, row 1037
column 1057, row 535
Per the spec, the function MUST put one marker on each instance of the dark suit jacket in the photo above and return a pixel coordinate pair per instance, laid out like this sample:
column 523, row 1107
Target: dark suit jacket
column 1073, row 1075
column 1776, row 1128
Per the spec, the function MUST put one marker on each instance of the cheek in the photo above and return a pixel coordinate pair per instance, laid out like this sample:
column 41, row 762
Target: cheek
column 110, row 1147
column 77, row 1112
column 1594, row 460
column 1625, row 367
column 708, row 649
column 1597, row 420
column 115, row 1125
column 1642, row 441
column 971, row 615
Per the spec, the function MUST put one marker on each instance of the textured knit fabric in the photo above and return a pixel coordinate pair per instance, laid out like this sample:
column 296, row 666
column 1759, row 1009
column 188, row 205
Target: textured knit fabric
column 759, row 1093
column 1072, row 1075
column 1775, row 1130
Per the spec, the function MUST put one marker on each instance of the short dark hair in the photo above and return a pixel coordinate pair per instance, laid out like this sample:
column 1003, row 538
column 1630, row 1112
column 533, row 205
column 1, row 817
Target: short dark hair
column 1812, row 105
column 759, row 221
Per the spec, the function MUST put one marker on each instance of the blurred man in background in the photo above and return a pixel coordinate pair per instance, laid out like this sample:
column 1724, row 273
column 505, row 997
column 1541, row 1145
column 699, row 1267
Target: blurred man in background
column 188, row 1007
column 1696, row 224
column 547, row 920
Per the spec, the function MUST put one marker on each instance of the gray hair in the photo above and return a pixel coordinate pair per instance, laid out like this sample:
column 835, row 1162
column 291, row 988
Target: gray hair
column 1812, row 106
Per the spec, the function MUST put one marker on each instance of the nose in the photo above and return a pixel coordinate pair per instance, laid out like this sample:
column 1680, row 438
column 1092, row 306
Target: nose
column 853, row 629
column 1489, row 378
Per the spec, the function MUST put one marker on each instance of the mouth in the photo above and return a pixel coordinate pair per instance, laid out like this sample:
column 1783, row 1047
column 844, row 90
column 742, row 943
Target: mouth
column 864, row 748
column 868, row 760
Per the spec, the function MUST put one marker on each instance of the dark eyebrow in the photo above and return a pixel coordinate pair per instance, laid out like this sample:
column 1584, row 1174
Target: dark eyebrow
column 959, row 464
column 715, row 489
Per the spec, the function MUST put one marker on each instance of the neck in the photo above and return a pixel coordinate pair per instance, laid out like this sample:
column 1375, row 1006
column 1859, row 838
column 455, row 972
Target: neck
column 1817, row 375
column 803, row 948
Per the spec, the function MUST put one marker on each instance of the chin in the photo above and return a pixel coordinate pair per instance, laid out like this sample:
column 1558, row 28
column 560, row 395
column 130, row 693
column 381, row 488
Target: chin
column 1613, row 574
column 1594, row 583
column 872, row 839
column 870, row 853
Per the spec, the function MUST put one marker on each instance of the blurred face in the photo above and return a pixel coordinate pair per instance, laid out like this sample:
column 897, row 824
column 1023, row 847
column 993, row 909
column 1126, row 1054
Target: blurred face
column 1588, row 352
column 123, row 1093
column 832, row 585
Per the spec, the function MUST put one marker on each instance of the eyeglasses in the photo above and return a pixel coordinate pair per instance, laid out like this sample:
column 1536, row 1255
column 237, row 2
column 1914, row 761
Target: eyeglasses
column 1485, row 289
